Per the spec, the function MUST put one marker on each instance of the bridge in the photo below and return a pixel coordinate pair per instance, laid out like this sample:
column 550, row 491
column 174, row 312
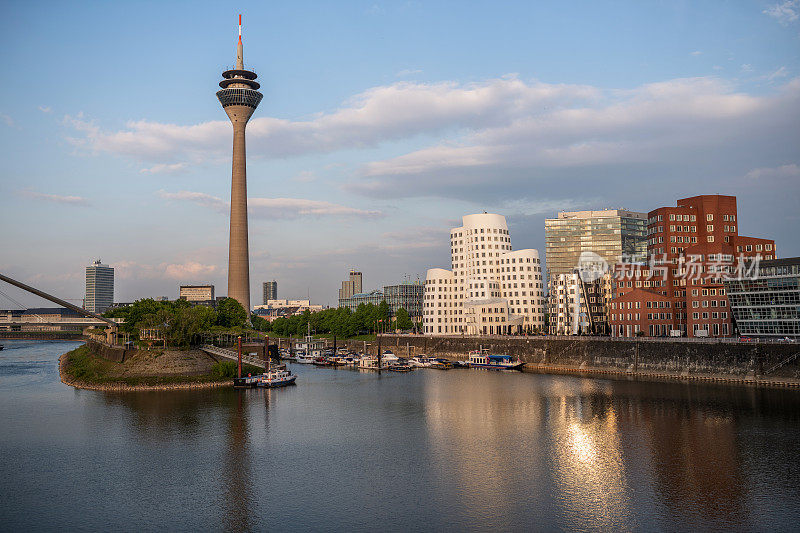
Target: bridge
column 88, row 318
column 234, row 355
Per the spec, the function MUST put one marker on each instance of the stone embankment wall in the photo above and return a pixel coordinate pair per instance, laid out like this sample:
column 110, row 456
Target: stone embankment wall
column 118, row 354
column 702, row 360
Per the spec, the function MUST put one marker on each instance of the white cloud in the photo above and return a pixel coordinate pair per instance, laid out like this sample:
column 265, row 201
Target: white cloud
column 380, row 114
column 747, row 67
column 784, row 12
column 408, row 72
column 185, row 271
column 7, row 119
column 274, row 208
column 163, row 168
column 69, row 200
column 44, row 109
column 782, row 72
column 785, row 171
column 695, row 53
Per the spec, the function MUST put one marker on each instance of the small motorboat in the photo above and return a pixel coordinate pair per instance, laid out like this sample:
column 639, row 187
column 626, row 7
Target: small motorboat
column 441, row 364
column 321, row 361
column 400, row 367
column 482, row 359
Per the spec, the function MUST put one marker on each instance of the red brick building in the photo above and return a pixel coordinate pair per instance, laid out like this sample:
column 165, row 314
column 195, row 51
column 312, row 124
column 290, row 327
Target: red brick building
column 691, row 247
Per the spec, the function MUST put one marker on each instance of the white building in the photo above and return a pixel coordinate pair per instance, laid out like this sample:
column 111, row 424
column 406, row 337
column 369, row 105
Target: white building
column 490, row 290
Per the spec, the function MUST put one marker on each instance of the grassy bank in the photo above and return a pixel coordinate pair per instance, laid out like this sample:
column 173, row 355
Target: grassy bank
column 81, row 367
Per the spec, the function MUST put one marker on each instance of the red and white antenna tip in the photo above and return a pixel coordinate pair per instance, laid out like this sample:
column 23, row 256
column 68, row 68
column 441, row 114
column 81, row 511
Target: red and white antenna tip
column 240, row 26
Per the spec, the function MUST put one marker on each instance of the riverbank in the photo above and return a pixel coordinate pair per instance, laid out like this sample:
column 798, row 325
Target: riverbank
column 750, row 363
column 145, row 370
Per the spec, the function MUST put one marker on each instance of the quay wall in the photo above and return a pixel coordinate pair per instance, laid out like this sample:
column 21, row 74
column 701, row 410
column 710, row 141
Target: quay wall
column 734, row 361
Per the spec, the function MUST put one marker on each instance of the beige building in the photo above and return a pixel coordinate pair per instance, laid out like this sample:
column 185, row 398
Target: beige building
column 351, row 286
column 490, row 289
column 196, row 293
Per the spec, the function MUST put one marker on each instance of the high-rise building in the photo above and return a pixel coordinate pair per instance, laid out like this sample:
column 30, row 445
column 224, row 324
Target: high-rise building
column 490, row 289
column 351, row 286
column 609, row 235
column 240, row 98
column 692, row 248
column 270, row 291
column 99, row 287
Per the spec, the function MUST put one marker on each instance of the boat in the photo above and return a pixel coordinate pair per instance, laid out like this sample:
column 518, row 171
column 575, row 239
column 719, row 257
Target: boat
column 303, row 358
column 400, row 367
column 247, row 381
column 420, row 361
column 321, row 361
column 1, row 346
column 278, row 377
column 482, row 359
column 441, row 364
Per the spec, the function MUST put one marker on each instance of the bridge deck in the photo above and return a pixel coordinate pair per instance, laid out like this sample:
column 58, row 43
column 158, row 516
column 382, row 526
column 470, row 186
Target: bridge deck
column 231, row 354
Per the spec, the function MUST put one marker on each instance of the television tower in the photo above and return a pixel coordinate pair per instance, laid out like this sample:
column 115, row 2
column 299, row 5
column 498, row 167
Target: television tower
column 239, row 97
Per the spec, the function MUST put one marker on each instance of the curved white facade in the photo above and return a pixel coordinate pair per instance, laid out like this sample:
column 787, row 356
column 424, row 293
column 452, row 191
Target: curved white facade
column 490, row 289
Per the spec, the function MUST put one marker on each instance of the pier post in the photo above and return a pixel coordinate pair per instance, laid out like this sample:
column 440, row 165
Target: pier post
column 239, row 350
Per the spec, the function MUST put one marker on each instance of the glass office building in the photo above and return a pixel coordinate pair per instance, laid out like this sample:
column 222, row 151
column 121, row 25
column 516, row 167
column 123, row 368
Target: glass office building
column 99, row 287
column 405, row 295
column 610, row 233
column 765, row 302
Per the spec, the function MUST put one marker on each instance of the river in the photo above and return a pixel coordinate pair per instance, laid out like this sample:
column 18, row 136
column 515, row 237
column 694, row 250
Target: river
column 428, row 450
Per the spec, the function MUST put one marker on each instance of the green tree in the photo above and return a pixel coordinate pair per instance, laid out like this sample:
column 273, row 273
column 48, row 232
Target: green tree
column 403, row 319
column 231, row 314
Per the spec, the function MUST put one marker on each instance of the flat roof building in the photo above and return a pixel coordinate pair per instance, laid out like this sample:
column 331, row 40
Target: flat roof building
column 269, row 290
column 99, row 287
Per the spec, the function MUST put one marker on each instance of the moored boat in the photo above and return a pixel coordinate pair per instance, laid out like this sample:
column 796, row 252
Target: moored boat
column 279, row 377
column 482, row 359
column 441, row 364
column 400, row 367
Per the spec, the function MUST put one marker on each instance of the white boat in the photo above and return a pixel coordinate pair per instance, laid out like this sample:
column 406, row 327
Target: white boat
column 421, row 361
column 304, row 358
column 279, row 377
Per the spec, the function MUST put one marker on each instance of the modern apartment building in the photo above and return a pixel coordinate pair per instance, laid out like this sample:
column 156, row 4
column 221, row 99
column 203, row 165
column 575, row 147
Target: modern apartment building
column 273, row 309
column 765, row 299
column 99, row 287
column 350, row 286
column 608, row 235
column 692, row 248
column 578, row 307
column 490, row 289
column 270, row 291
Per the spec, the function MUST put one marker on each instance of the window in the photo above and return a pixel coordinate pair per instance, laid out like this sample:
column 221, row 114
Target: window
column 710, row 228
column 709, row 217
column 710, row 238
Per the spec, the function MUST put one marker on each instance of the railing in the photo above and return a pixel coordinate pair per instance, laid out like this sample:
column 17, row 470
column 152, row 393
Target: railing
column 587, row 338
column 784, row 362
column 230, row 354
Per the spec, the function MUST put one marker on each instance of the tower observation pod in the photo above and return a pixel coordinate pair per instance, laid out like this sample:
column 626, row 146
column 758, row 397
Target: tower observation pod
column 239, row 97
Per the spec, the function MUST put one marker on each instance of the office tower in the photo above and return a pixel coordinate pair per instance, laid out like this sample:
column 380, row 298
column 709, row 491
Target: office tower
column 490, row 288
column 269, row 290
column 351, row 286
column 99, row 287
column 240, row 98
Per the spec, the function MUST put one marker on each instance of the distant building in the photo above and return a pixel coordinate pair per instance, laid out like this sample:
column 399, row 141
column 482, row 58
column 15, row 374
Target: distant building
column 270, row 289
column 408, row 295
column 765, row 302
column 40, row 319
column 491, row 290
column 274, row 309
column 99, row 287
column 351, row 286
column 197, row 294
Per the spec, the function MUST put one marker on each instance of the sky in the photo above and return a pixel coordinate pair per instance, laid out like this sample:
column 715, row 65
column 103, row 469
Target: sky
column 382, row 124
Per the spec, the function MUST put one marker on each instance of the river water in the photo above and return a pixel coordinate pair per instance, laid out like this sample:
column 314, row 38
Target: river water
column 427, row 450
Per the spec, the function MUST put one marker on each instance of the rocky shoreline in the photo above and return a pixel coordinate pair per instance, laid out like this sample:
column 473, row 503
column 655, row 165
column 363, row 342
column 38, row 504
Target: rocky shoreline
column 124, row 387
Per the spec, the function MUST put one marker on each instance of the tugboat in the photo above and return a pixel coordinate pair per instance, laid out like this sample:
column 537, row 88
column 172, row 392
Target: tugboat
column 278, row 377
column 482, row 359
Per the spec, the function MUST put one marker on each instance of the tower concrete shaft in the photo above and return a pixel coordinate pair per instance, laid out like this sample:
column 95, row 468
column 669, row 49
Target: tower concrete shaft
column 240, row 98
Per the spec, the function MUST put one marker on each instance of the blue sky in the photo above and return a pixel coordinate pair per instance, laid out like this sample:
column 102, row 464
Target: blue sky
column 381, row 125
